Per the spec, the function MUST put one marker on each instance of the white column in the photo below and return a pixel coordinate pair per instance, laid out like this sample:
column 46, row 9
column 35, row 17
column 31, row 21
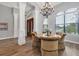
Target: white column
column 36, row 19
column 21, row 37
column 15, row 17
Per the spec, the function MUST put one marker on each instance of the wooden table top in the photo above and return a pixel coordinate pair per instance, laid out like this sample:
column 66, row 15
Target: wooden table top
column 49, row 38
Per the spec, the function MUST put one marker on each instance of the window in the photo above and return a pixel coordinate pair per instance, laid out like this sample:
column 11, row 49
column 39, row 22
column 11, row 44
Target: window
column 67, row 21
column 59, row 23
column 60, row 28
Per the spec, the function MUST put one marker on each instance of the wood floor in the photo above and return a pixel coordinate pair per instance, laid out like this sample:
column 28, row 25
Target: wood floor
column 10, row 47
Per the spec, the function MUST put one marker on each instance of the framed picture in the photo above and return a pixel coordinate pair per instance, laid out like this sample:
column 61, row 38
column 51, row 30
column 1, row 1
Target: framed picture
column 3, row 26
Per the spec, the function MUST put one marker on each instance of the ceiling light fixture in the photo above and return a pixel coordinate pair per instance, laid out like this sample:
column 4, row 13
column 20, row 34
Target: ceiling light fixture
column 47, row 9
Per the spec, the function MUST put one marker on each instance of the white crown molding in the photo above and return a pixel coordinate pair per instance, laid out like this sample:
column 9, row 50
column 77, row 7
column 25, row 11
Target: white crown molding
column 10, row 4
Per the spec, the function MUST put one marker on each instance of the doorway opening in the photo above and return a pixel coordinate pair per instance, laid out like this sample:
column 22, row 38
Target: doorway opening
column 30, row 26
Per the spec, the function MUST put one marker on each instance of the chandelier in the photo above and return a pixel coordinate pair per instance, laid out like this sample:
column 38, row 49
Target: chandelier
column 47, row 9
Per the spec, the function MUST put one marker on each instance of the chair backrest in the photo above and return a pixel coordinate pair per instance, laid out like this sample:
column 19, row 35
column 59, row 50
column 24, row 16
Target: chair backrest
column 61, row 34
column 33, row 33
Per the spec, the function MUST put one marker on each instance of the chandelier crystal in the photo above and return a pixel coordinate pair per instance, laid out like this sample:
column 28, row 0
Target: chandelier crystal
column 47, row 9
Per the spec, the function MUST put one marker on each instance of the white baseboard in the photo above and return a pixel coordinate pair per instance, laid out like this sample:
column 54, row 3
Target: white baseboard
column 7, row 38
column 71, row 41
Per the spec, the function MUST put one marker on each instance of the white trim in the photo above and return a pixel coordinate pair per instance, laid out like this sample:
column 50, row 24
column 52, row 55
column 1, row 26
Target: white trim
column 7, row 38
column 71, row 41
column 30, row 17
column 10, row 5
